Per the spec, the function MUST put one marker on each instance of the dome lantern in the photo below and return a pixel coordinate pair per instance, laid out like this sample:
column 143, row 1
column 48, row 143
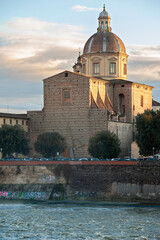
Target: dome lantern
column 104, row 21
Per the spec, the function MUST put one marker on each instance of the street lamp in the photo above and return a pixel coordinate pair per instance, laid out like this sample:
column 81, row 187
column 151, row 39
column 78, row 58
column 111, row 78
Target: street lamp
column 153, row 151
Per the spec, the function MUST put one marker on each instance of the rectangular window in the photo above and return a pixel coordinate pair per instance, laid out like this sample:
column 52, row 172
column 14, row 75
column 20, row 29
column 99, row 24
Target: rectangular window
column 96, row 68
column 10, row 121
column 141, row 101
column 66, row 96
column 16, row 121
column 4, row 121
column 22, row 122
column 125, row 69
column 112, row 68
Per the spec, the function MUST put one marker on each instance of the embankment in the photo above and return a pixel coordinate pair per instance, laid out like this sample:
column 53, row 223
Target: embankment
column 81, row 181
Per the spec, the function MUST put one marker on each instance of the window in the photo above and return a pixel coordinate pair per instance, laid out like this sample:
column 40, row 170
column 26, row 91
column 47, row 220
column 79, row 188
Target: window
column 125, row 69
column 66, row 96
column 66, row 74
column 22, row 122
column 16, row 121
column 106, row 25
column 4, row 121
column 102, row 24
column 133, row 107
column 141, row 101
column 121, row 104
column 96, row 68
column 84, row 68
column 112, row 68
column 10, row 121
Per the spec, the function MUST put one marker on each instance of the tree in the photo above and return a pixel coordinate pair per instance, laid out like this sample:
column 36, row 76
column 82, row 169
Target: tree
column 104, row 144
column 148, row 132
column 49, row 143
column 13, row 140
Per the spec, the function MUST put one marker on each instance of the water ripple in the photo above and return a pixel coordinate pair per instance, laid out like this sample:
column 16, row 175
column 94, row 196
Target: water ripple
column 75, row 222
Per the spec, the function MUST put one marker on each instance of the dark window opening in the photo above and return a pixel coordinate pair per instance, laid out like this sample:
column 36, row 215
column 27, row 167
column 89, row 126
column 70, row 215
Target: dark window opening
column 121, row 104
column 141, row 101
column 66, row 74
column 133, row 107
column 4, row 121
column 84, row 68
column 122, row 85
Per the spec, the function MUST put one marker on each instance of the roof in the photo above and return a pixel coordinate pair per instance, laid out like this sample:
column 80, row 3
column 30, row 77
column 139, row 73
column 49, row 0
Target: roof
column 104, row 41
column 155, row 103
column 13, row 115
column 75, row 73
column 120, row 81
column 104, row 14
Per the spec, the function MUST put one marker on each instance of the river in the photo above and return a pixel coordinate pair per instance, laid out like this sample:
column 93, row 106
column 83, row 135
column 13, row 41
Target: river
column 70, row 221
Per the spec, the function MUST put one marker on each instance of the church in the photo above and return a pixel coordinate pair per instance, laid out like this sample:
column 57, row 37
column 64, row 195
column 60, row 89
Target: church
column 96, row 96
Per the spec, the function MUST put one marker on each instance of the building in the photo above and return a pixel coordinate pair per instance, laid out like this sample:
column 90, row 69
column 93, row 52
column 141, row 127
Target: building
column 96, row 96
column 14, row 119
column 155, row 105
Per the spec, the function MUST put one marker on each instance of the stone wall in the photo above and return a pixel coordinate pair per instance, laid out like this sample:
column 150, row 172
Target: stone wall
column 141, row 91
column 35, row 128
column 124, row 131
column 82, row 182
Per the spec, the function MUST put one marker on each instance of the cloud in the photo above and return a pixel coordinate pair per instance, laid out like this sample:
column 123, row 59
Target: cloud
column 144, row 63
column 80, row 8
column 32, row 50
column 144, row 66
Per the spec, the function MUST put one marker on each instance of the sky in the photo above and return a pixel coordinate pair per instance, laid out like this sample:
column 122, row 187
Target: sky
column 43, row 37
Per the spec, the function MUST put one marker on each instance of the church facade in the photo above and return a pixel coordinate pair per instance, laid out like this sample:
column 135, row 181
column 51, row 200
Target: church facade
column 96, row 96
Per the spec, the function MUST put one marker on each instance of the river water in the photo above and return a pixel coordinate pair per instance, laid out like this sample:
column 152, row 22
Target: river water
column 47, row 220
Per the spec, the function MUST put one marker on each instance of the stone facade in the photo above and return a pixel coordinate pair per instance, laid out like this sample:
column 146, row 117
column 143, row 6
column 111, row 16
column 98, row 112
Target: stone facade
column 92, row 105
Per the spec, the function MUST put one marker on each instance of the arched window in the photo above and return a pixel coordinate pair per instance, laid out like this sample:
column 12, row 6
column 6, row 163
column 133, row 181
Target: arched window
column 125, row 69
column 121, row 104
column 102, row 24
column 106, row 25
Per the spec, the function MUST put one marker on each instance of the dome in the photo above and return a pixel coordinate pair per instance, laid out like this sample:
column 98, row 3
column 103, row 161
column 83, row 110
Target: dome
column 104, row 14
column 105, row 41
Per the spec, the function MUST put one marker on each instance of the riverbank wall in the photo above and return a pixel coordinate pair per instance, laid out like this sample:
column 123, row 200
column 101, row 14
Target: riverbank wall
column 98, row 181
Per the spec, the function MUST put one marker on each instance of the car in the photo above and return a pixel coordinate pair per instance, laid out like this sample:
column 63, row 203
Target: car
column 83, row 159
column 116, row 159
column 94, row 159
column 151, row 159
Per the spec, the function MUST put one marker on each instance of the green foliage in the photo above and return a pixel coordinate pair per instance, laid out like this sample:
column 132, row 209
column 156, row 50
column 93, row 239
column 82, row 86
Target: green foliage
column 148, row 132
column 48, row 144
column 104, row 144
column 13, row 140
